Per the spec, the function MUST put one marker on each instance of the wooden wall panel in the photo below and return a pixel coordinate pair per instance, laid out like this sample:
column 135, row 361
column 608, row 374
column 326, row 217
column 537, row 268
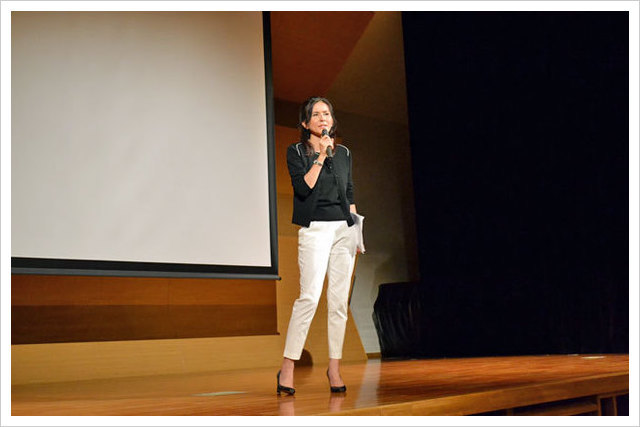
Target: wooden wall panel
column 47, row 363
column 48, row 309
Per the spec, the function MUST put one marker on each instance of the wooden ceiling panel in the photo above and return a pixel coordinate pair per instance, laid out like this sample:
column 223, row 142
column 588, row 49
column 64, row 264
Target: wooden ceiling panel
column 310, row 48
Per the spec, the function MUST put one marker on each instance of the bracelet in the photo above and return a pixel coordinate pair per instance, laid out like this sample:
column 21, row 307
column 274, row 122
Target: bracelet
column 315, row 162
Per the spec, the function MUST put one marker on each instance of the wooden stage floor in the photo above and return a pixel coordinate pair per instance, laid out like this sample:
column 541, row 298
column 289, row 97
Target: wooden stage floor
column 578, row 384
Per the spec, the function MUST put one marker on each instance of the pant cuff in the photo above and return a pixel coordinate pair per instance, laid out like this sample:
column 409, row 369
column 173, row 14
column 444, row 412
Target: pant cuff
column 288, row 356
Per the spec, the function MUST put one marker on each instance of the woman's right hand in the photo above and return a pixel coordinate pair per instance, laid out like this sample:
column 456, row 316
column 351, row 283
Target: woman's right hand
column 325, row 141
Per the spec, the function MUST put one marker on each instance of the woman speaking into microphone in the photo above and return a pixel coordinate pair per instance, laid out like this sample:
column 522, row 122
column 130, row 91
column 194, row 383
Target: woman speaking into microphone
column 322, row 205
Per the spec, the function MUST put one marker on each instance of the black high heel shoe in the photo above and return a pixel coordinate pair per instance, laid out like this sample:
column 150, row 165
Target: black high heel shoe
column 289, row 390
column 340, row 389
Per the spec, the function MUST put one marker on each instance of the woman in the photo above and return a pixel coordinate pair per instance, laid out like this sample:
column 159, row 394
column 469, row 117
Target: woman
column 322, row 205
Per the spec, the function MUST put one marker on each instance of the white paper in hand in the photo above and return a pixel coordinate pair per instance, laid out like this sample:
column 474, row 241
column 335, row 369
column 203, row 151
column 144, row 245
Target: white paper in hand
column 358, row 223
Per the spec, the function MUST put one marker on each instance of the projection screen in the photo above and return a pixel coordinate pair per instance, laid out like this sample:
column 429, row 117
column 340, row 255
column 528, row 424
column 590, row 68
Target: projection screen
column 142, row 144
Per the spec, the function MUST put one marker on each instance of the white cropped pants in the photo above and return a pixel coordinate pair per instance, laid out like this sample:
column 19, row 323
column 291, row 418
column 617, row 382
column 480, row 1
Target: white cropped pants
column 324, row 246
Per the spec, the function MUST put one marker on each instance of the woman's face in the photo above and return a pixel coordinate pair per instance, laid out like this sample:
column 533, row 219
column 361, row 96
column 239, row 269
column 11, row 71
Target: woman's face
column 320, row 119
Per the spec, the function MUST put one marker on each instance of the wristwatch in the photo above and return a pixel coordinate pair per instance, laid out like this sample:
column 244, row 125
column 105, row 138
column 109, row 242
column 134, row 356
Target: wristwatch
column 315, row 162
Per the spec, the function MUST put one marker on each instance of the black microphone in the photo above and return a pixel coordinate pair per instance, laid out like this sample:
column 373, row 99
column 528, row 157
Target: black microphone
column 329, row 149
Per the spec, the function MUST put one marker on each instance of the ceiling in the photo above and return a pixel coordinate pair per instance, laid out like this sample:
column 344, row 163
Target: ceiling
column 310, row 48
column 356, row 59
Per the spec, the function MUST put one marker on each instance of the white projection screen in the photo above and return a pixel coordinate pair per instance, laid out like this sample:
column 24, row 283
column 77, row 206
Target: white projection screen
column 142, row 144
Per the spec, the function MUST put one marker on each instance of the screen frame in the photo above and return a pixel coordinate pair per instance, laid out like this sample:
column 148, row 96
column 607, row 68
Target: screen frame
column 81, row 267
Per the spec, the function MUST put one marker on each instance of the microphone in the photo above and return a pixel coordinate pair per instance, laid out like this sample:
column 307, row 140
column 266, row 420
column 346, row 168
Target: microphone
column 329, row 149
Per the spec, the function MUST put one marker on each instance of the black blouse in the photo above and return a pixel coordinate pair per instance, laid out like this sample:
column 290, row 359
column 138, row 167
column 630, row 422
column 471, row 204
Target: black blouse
column 328, row 204
column 319, row 202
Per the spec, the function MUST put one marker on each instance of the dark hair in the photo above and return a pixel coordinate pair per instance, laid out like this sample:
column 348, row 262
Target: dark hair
column 304, row 116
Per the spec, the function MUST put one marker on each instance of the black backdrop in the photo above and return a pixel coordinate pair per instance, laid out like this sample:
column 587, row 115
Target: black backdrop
column 519, row 136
